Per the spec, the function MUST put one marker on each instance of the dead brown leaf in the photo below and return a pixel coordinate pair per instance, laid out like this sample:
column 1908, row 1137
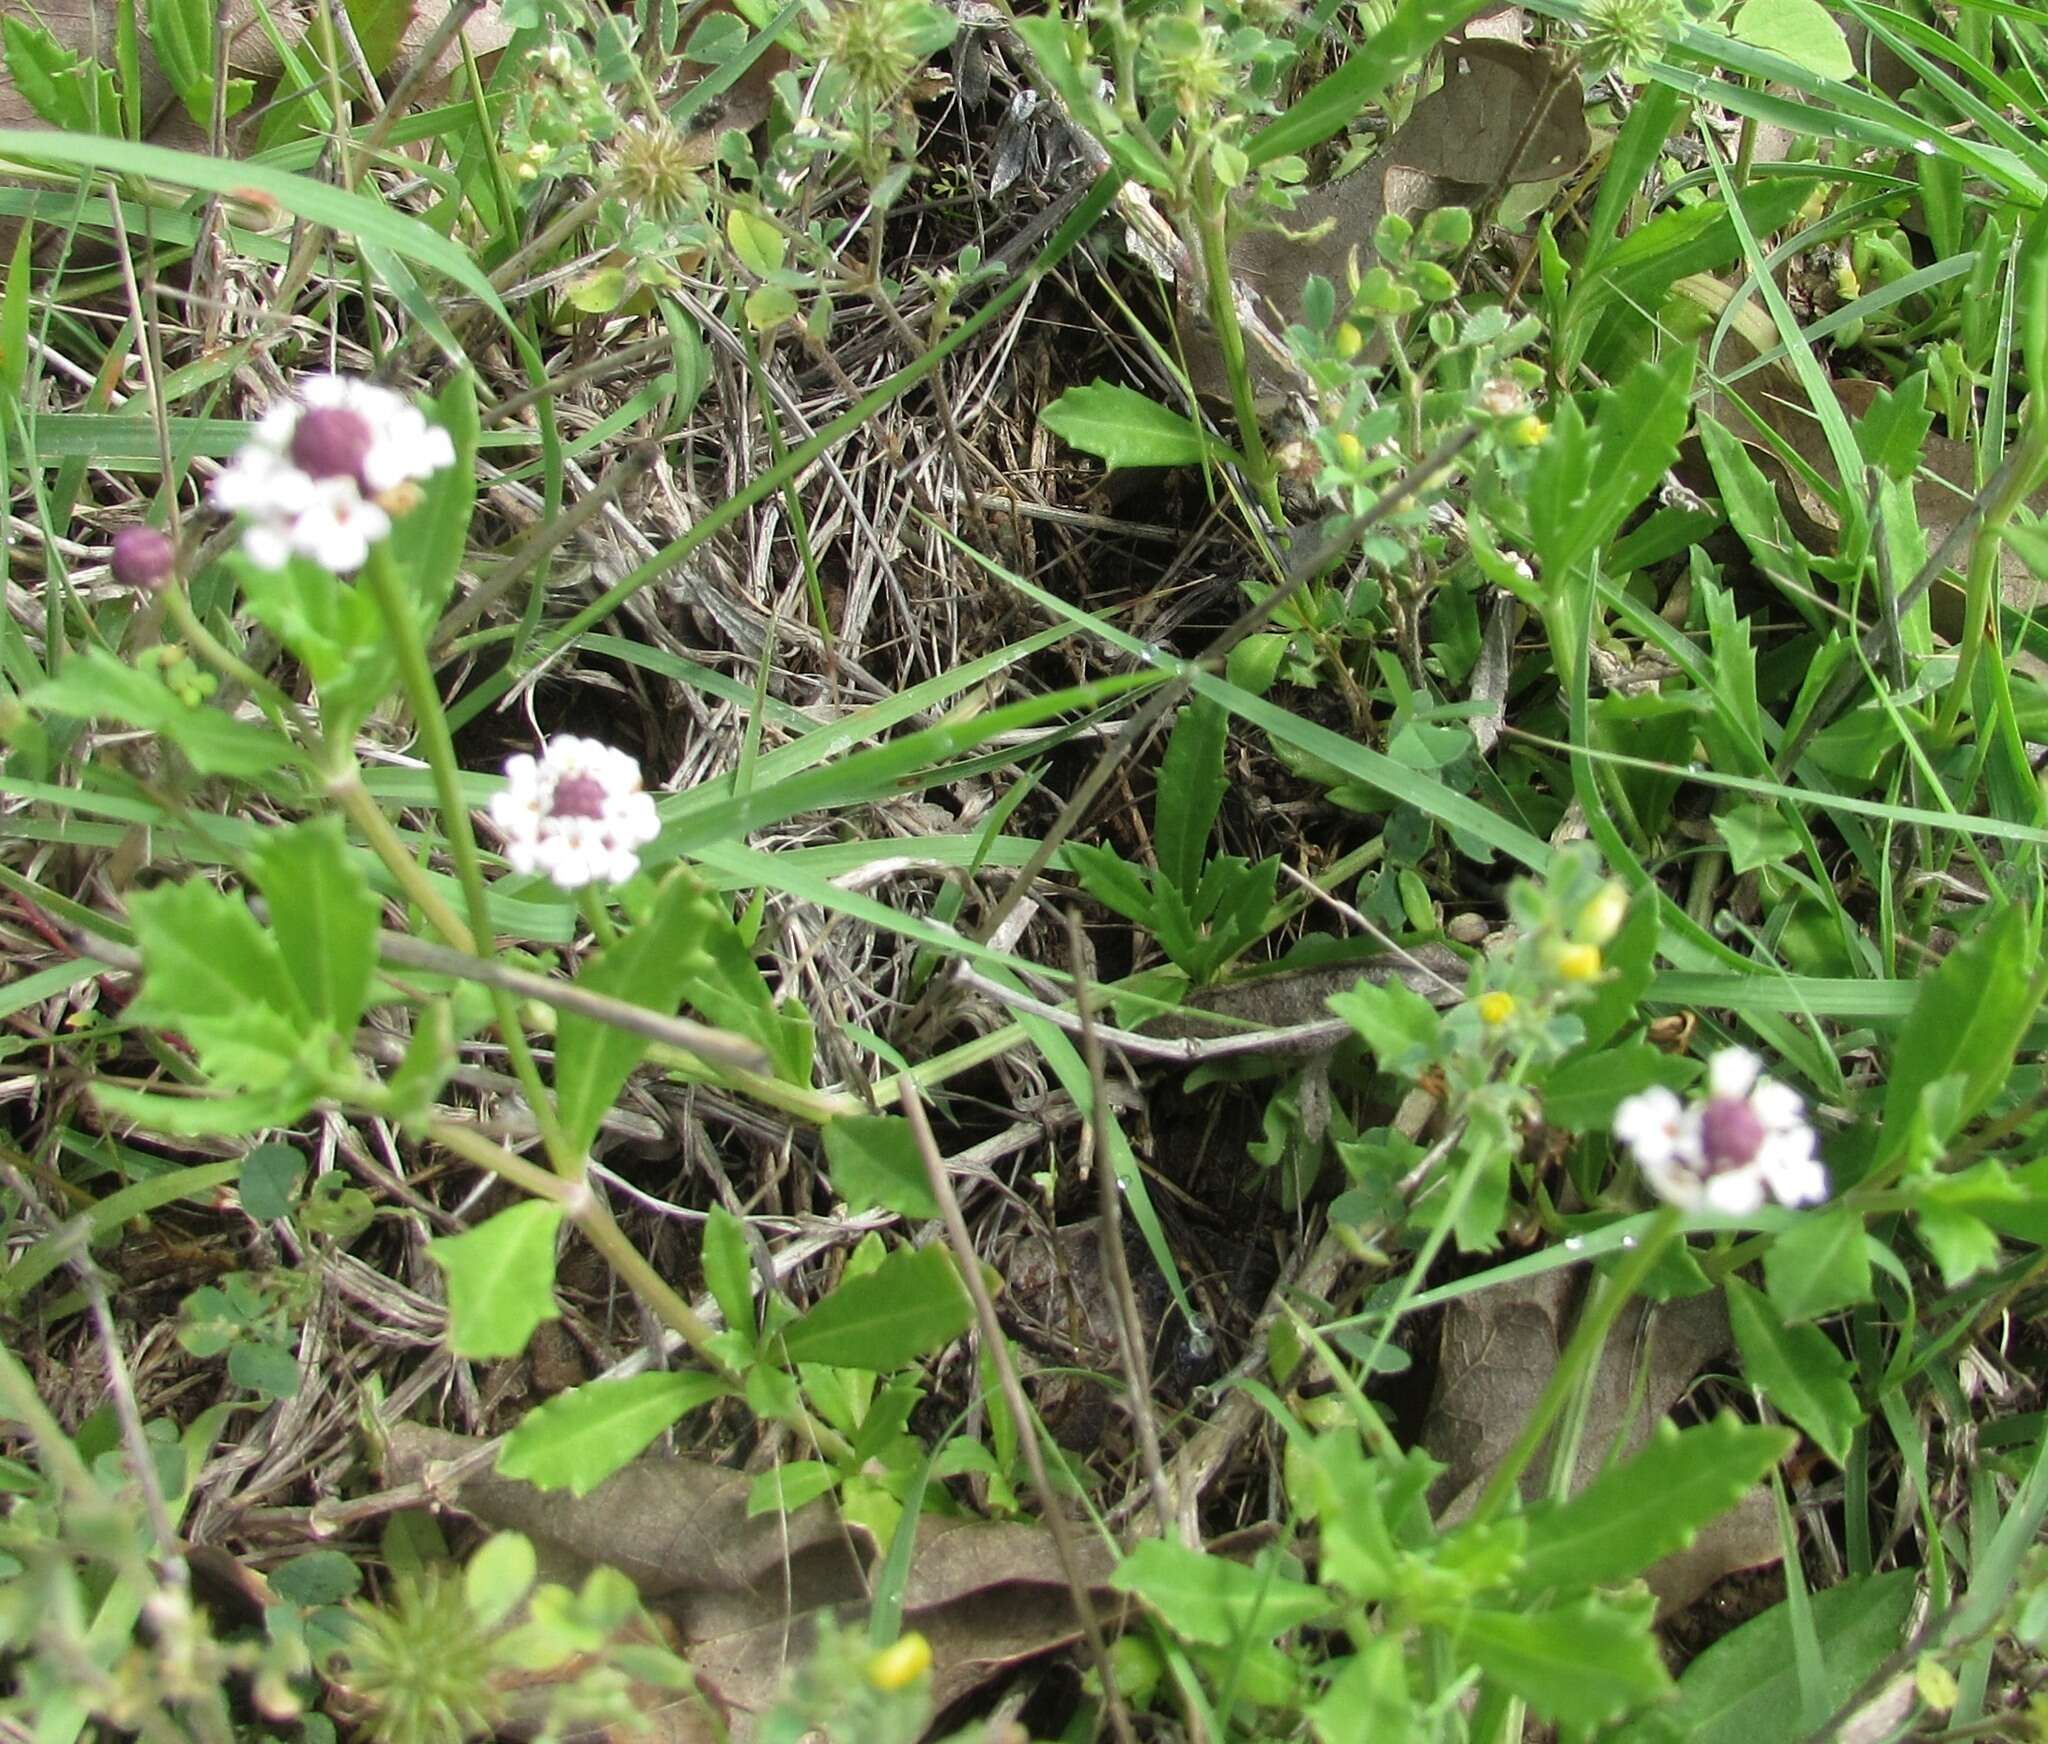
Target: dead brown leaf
column 1499, row 1349
column 1468, row 129
column 744, row 1597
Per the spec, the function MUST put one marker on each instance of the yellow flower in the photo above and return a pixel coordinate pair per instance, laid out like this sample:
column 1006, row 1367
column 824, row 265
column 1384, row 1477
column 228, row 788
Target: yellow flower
column 1496, row 1007
column 1603, row 914
column 1577, row 962
column 900, row 1664
column 1527, row 431
column 1350, row 451
column 1348, row 340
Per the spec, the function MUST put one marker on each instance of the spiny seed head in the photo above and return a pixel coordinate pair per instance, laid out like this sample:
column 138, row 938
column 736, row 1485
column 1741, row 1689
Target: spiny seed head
column 1622, row 34
column 332, row 442
column 651, row 162
column 143, row 559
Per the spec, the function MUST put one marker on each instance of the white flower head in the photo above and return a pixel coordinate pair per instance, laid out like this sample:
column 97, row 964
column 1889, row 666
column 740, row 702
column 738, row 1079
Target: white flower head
column 322, row 473
column 1745, row 1142
column 577, row 813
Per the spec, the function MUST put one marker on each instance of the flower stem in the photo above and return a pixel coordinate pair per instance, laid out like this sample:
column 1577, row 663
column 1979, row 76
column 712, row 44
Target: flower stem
column 1588, row 1336
column 1211, row 221
column 346, row 785
column 1980, row 588
column 417, row 678
column 284, row 714
column 584, row 1209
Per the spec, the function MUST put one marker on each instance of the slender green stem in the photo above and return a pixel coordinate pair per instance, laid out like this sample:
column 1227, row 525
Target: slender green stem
column 1584, row 1348
column 1980, row 589
column 417, row 679
column 1211, row 218
column 284, row 714
column 346, row 785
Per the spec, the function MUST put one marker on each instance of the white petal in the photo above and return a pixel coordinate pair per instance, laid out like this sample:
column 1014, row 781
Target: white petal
column 1672, row 1183
column 1733, row 1072
column 1777, row 1105
column 1654, row 1127
column 266, row 545
column 1736, row 1193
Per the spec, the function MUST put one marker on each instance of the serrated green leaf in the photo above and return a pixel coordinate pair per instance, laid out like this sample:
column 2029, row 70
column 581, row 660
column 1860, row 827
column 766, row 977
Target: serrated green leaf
column 215, row 976
column 269, row 1181
column 1120, row 426
column 63, row 88
column 1820, row 1264
column 501, row 1279
column 1798, row 1368
column 1213, row 1600
column 649, row 967
column 910, row 1305
column 323, row 915
column 1648, row 1506
column 94, row 685
column 579, row 1438
column 1582, row 1664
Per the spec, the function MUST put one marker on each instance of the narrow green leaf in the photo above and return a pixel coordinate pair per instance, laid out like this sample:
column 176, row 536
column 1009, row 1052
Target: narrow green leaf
column 909, row 1305
column 1191, row 788
column 501, row 1279
column 1969, row 1017
column 1744, row 1689
column 729, row 1270
column 579, row 1438
column 1798, row 1368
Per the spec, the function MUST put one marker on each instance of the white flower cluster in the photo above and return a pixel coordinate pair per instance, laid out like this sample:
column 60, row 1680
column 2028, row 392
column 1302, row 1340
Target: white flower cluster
column 1747, row 1141
column 323, row 473
column 577, row 813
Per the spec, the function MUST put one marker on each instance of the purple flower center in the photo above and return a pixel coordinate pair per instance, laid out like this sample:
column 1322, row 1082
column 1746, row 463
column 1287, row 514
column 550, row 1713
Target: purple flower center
column 331, row 442
column 577, row 796
column 1730, row 1133
column 143, row 558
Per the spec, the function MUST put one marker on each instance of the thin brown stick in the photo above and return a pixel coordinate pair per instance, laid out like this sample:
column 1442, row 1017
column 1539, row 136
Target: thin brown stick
column 1116, row 1269
column 1020, row 1408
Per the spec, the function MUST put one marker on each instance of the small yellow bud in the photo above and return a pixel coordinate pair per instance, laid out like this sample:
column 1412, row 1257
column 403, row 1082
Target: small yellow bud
column 900, row 1664
column 1496, row 1007
column 1527, row 431
column 1602, row 916
column 1350, row 451
column 1577, row 962
column 1348, row 341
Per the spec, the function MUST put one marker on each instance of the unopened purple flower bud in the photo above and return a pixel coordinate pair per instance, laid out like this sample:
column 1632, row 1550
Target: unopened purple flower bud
column 143, row 559
column 1731, row 1133
column 332, row 442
